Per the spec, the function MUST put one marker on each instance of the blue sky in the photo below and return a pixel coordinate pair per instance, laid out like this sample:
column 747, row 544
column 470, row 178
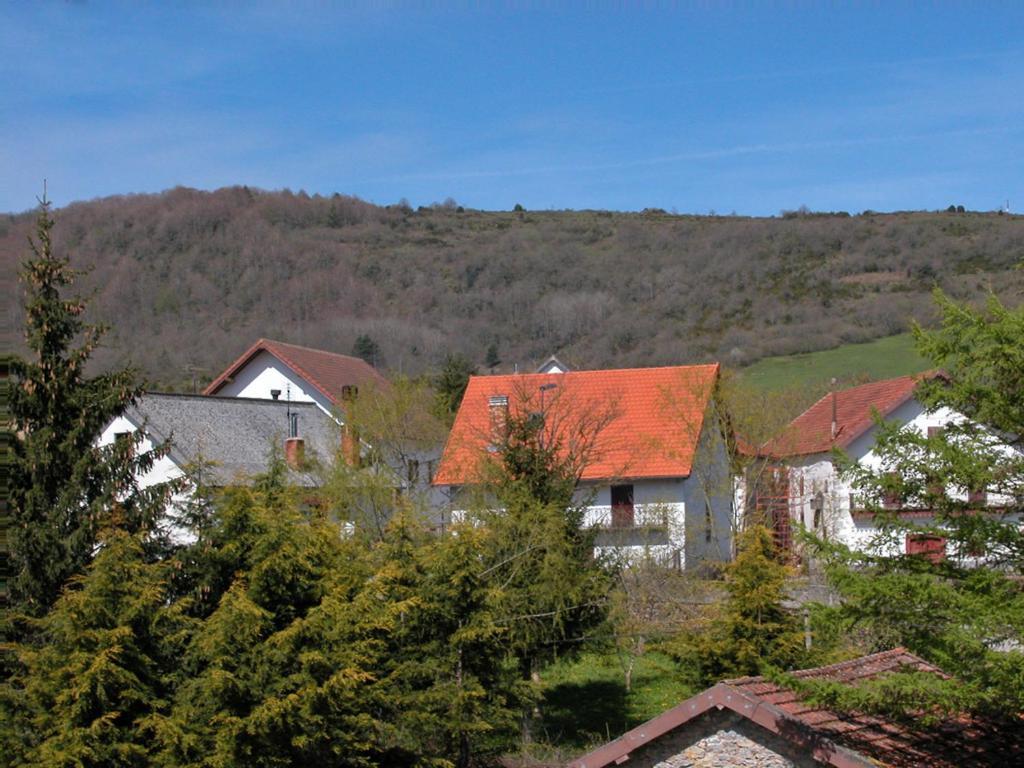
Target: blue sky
column 693, row 108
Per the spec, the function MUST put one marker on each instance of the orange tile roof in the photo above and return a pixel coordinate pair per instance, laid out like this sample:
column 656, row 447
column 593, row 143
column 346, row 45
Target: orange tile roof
column 811, row 431
column 328, row 372
column 643, row 422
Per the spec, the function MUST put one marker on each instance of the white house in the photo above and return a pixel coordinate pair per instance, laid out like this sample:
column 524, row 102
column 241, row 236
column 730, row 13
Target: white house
column 553, row 365
column 231, row 437
column 651, row 461
column 274, row 370
column 290, row 373
column 802, row 484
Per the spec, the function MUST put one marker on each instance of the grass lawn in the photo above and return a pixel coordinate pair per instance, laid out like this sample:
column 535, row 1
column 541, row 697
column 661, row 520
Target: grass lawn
column 586, row 702
column 881, row 359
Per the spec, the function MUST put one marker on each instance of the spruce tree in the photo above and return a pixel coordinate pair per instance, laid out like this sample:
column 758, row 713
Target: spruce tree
column 493, row 359
column 754, row 628
column 65, row 489
column 283, row 669
column 367, row 349
column 963, row 611
column 456, row 687
column 97, row 681
column 451, row 383
column 548, row 591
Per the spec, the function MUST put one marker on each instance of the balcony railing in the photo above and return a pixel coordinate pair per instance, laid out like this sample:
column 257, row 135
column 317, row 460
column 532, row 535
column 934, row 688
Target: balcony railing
column 643, row 516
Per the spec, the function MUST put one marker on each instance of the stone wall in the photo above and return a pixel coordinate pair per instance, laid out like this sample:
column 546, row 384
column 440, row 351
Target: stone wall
column 720, row 739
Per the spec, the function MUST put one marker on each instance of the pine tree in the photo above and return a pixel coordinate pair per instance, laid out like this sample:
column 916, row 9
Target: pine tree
column 97, row 681
column 64, row 488
column 965, row 611
column 367, row 349
column 451, row 384
column 754, row 628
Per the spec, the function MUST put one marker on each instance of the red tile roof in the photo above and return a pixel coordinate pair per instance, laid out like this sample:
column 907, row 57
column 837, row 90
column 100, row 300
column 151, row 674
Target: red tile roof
column 328, row 372
column 644, row 422
column 811, row 431
column 957, row 741
column 840, row 739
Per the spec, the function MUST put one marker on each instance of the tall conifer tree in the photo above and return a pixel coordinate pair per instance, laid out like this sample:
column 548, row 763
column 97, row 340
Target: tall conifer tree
column 962, row 610
column 65, row 489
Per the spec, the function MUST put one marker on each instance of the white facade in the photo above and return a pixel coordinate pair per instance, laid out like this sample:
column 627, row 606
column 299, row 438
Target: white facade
column 163, row 470
column 264, row 374
column 677, row 521
column 814, row 478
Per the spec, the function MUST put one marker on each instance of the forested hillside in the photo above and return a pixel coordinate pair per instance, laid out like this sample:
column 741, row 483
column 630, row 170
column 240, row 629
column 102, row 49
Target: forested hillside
column 188, row 279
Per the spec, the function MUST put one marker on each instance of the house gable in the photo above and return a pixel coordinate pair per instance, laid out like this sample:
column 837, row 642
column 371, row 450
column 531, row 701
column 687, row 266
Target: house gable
column 326, row 378
column 264, row 374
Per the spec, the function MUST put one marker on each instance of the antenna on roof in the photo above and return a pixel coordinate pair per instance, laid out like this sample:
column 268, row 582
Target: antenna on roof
column 195, row 370
column 288, row 405
column 835, row 420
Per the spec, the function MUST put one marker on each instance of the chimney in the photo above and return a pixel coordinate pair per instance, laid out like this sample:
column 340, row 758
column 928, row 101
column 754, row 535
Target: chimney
column 349, row 434
column 294, row 446
column 350, row 445
column 294, row 452
column 497, row 406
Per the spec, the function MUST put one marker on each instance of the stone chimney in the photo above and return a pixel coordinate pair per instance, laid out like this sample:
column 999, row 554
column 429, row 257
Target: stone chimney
column 350, row 445
column 294, row 452
column 497, row 407
column 349, row 434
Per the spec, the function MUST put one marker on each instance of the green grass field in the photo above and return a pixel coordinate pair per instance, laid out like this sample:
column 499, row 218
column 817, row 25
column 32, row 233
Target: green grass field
column 586, row 702
column 881, row 359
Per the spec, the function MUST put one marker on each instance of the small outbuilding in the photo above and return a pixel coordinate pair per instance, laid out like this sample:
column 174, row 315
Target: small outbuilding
column 752, row 721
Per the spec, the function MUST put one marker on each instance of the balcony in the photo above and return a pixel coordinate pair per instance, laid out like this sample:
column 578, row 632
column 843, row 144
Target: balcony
column 649, row 525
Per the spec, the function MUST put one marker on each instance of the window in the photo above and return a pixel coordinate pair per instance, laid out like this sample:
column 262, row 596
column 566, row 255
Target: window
column 927, row 545
column 818, row 507
column 708, row 522
column 622, row 506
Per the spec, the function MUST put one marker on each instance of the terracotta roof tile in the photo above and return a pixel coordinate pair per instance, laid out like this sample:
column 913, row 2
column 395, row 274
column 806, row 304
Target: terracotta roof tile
column 329, row 372
column 889, row 742
column 838, row 738
column 811, row 431
column 654, row 418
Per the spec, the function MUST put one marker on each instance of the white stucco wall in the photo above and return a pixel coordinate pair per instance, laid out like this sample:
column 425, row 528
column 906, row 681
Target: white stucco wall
column 265, row 372
column 162, row 471
column 670, row 514
column 816, row 473
column 697, row 508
